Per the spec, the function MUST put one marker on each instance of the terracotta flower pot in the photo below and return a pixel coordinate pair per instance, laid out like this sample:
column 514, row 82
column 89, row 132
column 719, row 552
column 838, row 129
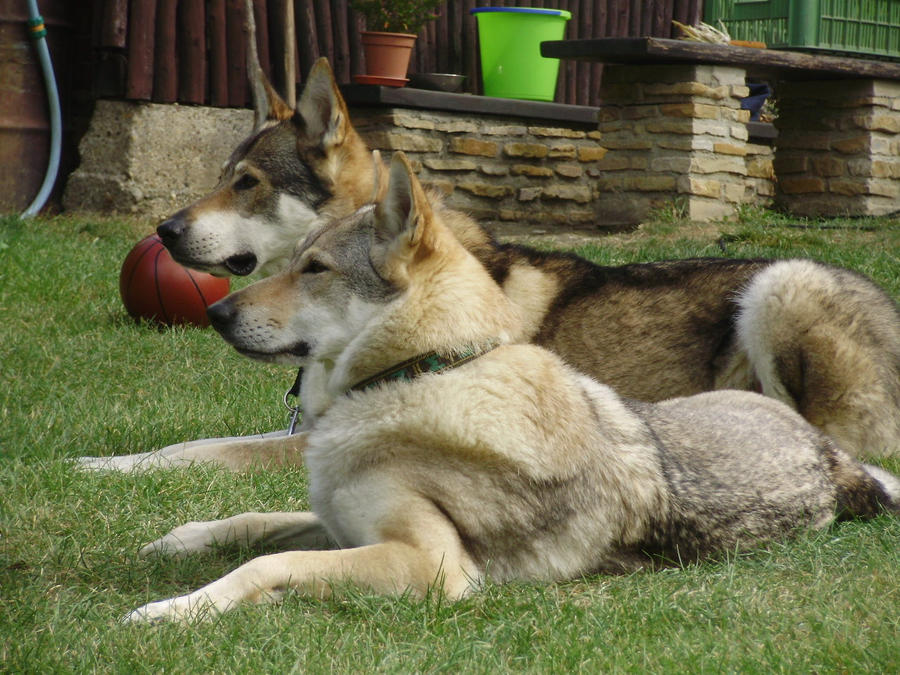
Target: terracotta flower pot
column 387, row 55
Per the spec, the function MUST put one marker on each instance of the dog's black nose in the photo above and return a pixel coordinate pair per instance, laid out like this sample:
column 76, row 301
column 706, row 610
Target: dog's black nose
column 170, row 230
column 221, row 314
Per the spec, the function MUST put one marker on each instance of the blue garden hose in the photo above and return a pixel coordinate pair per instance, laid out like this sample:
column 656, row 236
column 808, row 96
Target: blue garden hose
column 39, row 34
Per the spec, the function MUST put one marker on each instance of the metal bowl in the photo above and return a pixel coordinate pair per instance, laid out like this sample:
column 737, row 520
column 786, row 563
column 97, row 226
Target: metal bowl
column 436, row 81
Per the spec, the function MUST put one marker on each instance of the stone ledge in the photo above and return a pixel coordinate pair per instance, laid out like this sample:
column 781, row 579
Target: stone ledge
column 407, row 97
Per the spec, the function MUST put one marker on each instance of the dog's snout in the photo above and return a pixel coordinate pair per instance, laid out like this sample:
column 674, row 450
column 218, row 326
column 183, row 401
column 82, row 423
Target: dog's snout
column 221, row 314
column 171, row 229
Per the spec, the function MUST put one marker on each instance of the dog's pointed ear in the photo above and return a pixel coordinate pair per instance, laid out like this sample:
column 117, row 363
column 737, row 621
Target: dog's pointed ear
column 322, row 108
column 404, row 215
column 267, row 104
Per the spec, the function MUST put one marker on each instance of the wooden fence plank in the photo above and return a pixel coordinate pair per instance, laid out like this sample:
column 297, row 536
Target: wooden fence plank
column 586, row 21
column 275, row 24
column 662, row 18
column 454, row 47
column 218, row 53
column 323, row 30
column 165, row 56
column 442, row 46
column 568, row 71
column 356, row 55
column 634, row 19
column 695, row 11
column 648, row 13
column 141, row 25
column 471, row 60
column 307, row 40
column 236, row 41
column 260, row 18
column 623, row 15
column 341, row 61
column 430, row 60
column 192, row 66
column 113, row 22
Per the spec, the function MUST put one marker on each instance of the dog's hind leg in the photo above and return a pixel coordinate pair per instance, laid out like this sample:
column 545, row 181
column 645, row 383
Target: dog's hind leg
column 239, row 453
column 826, row 341
column 284, row 530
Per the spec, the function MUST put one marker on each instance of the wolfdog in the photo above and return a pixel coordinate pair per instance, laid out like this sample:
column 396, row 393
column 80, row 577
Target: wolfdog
column 443, row 454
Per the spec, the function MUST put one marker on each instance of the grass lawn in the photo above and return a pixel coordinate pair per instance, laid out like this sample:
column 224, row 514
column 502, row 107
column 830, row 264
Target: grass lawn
column 80, row 378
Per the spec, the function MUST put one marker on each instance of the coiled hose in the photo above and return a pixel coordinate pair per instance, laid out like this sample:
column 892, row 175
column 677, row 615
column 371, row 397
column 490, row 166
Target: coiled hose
column 39, row 35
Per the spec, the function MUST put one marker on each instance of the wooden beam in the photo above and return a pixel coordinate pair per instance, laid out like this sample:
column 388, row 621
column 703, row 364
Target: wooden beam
column 763, row 62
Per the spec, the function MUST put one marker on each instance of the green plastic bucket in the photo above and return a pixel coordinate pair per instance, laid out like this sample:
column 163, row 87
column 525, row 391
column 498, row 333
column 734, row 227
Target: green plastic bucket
column 510, row 43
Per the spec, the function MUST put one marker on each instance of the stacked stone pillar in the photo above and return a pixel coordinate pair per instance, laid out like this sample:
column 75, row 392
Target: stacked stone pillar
column 838, row 150
column 675, row 133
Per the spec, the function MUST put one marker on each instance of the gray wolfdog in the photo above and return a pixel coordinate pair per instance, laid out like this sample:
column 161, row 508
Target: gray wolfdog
column 441, row 454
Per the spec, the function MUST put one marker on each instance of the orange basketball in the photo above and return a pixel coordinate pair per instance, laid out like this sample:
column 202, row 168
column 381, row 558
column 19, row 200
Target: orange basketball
column 155, row 287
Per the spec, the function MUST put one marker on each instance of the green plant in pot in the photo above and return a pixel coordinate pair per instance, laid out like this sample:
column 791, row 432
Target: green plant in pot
column 392, row 27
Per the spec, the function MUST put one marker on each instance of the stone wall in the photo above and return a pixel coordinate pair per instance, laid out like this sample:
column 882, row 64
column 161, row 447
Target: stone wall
column 497, row 169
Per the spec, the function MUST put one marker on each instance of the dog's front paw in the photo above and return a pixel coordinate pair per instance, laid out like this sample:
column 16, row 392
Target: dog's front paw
column 152, row 612
column 173, row 609
column 196, row 606
column 183, row 540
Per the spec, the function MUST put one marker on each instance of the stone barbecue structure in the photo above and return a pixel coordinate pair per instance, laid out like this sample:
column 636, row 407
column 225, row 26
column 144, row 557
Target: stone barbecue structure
column 838, row 146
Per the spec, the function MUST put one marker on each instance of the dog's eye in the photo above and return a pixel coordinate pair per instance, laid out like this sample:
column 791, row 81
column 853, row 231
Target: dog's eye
column 246, row 182
column 314, row 267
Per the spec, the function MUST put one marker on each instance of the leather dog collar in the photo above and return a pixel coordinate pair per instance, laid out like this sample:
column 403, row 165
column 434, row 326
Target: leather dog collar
column 430, row 362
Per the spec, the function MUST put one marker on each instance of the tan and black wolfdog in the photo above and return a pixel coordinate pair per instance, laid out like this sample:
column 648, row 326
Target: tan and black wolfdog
column 823, row 340
column 442, row 454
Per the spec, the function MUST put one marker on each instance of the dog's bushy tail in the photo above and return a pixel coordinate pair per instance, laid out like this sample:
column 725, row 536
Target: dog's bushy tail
column 863, row 490
column 826, row 341
column 889, row 484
